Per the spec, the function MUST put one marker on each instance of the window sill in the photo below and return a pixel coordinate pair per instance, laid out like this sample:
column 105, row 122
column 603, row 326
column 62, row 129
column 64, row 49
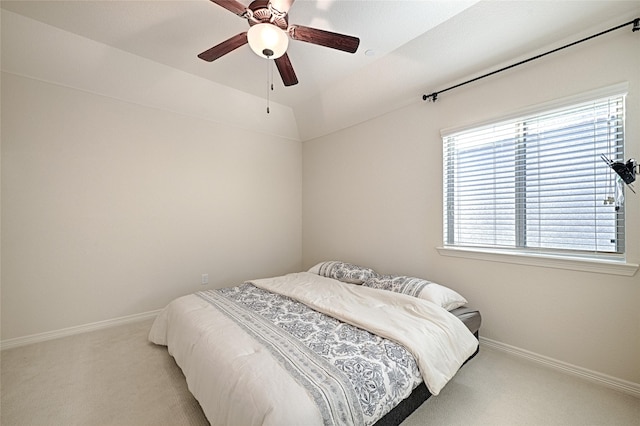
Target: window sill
column 610, row 267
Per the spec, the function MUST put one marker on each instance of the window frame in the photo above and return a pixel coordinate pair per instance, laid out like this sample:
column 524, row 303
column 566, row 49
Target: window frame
column 600, row 262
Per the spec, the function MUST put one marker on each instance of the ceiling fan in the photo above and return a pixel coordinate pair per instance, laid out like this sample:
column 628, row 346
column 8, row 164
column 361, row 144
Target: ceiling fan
column 269, row 32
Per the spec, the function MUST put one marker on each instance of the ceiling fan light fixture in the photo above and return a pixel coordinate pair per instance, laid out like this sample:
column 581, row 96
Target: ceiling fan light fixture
column 267, row 40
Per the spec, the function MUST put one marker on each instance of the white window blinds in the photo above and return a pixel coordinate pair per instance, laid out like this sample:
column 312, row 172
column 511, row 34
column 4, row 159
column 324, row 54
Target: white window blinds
column 537, row 182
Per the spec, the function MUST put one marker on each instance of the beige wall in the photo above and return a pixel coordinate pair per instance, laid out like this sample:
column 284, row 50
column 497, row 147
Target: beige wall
column 373, row 195
column 124, row 180
column 120, row 186
column 111, row 209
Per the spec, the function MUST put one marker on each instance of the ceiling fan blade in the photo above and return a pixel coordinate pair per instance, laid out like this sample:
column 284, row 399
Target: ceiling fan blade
column 232, row 6
column 223, row 48
column 286, row 70
column 324, row 38
column 282, row 6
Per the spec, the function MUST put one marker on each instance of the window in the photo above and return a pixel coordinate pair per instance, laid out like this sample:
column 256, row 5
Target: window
column 537, row 183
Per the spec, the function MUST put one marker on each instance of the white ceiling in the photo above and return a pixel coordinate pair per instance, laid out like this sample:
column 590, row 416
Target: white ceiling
column 418, row 45
column 174, row 32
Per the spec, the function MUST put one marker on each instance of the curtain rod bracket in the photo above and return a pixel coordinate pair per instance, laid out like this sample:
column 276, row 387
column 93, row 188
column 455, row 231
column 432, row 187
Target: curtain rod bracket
column 433, row 96
column 636, row 25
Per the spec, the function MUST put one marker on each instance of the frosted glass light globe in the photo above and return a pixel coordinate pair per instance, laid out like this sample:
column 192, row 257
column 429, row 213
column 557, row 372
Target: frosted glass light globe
column 267, row 40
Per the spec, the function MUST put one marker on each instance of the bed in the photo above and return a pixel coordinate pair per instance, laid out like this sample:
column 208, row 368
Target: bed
column 338, row 344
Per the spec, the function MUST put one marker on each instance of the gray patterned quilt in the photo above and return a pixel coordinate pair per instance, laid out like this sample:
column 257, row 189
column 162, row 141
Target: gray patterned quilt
column 375, row 372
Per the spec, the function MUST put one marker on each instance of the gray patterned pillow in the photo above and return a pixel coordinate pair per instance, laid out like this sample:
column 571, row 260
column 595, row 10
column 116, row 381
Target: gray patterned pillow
column 398, row 284
column 417, row 287
column 342, row 271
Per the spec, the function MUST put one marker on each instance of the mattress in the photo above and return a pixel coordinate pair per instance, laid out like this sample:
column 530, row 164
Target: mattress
column 470, row 317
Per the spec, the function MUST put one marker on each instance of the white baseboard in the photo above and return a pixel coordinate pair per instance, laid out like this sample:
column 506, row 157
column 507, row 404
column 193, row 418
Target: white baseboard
column 625, row 386
column 56, row 334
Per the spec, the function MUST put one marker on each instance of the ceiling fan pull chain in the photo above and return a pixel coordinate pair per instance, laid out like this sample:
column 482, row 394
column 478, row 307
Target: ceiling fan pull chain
column 271, row 74
column 269, row 81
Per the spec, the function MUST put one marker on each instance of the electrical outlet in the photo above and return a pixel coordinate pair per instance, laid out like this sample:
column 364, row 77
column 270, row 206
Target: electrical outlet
column 205, row 279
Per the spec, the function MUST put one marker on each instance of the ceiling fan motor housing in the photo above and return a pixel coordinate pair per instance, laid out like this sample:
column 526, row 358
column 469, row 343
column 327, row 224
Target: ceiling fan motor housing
column 262, row 13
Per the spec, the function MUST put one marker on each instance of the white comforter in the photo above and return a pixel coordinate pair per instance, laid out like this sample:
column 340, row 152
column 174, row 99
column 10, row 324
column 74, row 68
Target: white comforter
column 238, row 382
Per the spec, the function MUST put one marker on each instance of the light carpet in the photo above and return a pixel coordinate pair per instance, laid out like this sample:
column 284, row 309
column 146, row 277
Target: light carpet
column 116, row 377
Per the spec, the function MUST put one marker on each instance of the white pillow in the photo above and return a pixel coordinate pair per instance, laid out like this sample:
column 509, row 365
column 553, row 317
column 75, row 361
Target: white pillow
column 443, row 296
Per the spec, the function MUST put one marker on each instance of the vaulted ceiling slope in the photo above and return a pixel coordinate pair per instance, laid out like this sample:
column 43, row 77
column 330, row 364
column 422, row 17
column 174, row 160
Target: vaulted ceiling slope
column 407, row 47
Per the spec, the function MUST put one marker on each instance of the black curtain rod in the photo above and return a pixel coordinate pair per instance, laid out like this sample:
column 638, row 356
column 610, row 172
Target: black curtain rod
column 434, row 96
